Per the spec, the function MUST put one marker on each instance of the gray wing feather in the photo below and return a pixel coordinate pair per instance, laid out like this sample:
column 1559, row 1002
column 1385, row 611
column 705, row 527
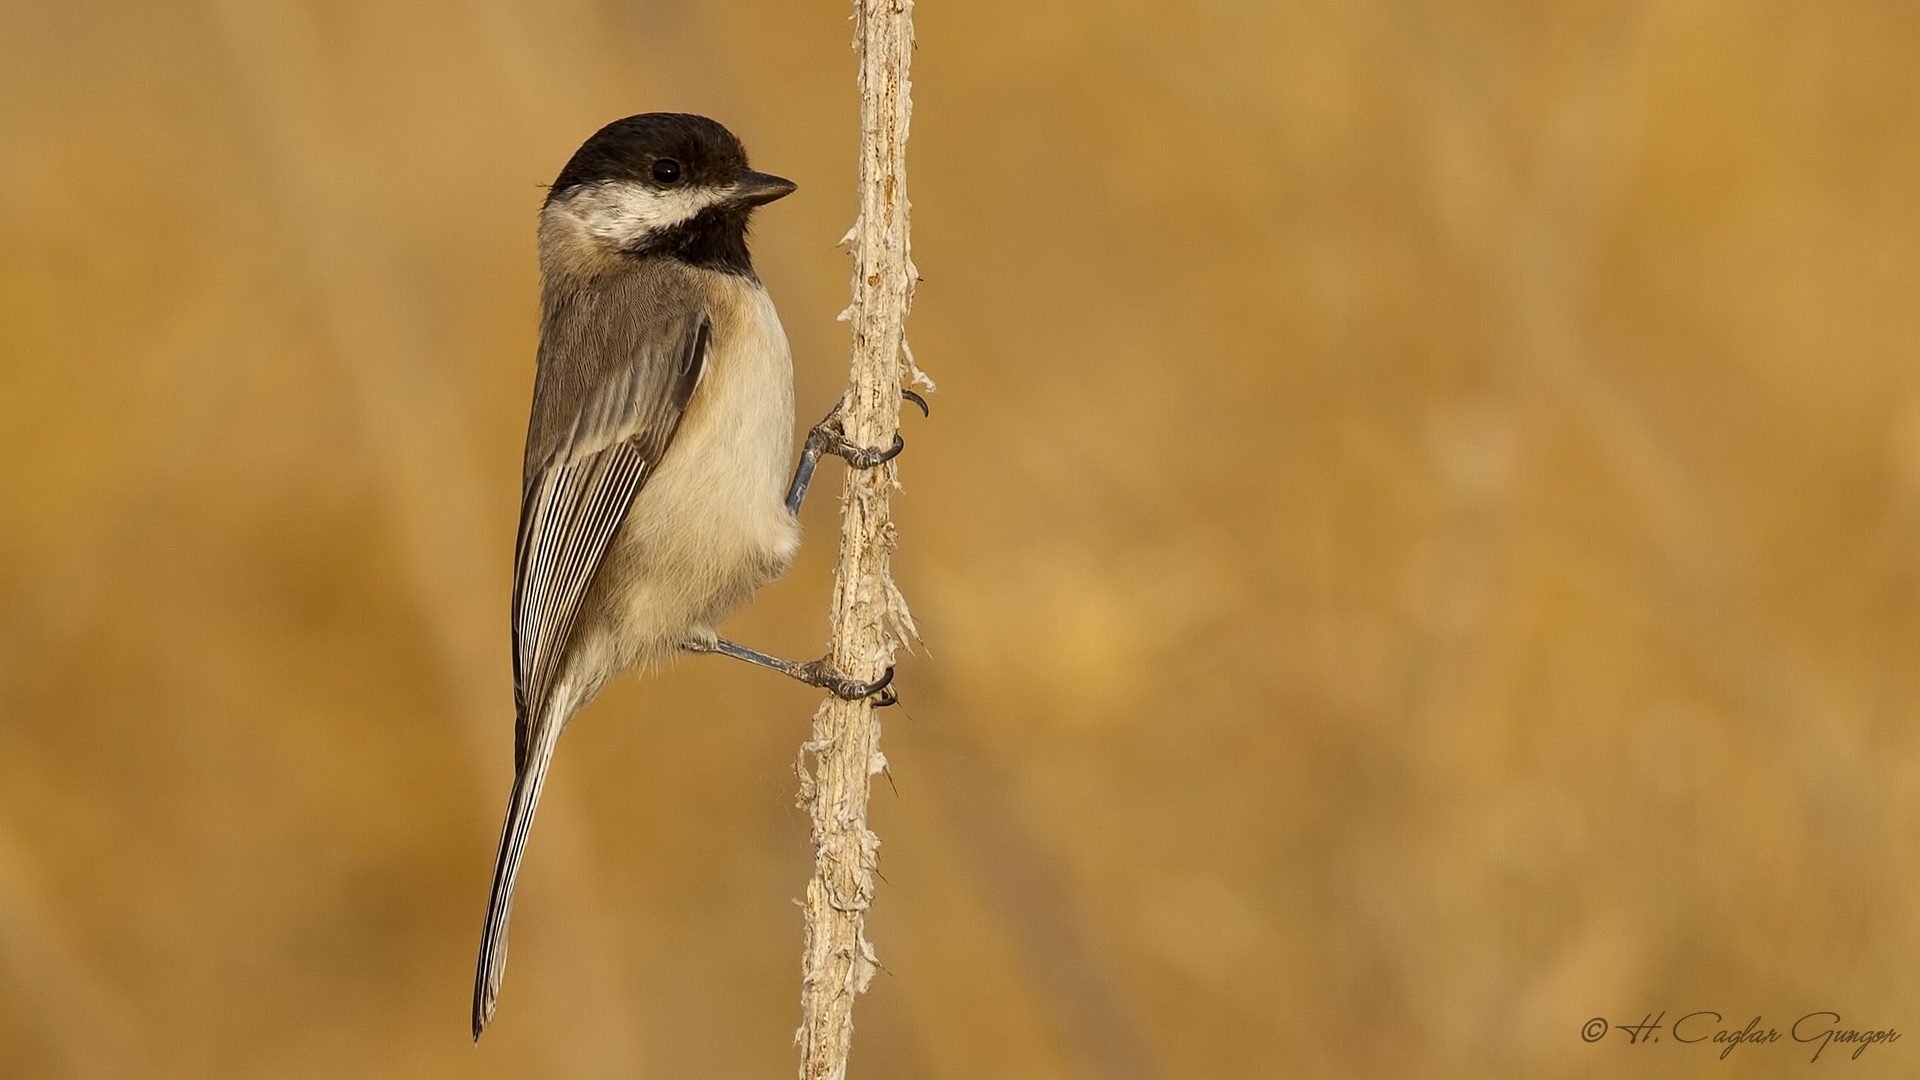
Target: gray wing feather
column 587, row 475
column 618, row 365
column 572, row 514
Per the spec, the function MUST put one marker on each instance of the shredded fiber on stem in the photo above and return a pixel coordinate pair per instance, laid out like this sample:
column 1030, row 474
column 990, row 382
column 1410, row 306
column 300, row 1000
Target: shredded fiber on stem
column 869, row 620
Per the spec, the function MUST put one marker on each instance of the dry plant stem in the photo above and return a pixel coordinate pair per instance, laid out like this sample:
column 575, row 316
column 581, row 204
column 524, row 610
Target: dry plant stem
column 869, row 621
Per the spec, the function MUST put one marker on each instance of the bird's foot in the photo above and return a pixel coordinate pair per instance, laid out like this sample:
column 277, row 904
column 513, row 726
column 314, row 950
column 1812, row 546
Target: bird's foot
column 828, row 437
column 814, row 672
column 821, row 674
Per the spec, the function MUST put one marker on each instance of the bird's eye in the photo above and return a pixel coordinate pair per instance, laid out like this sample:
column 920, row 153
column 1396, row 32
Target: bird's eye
column 666, row 171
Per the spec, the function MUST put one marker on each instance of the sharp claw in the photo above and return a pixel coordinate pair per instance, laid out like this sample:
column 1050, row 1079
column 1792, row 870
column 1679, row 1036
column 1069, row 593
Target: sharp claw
column 849, row 690
column 917, row 400
column 862, row 458
column 887, row 696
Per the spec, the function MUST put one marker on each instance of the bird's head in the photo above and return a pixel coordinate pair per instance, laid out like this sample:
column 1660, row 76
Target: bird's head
column 661, row 184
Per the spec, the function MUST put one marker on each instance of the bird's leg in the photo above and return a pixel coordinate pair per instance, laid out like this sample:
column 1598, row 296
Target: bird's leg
column 827, row 437
column 813, row 673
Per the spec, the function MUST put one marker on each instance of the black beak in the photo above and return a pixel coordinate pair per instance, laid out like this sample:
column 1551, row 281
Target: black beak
column 758, row 189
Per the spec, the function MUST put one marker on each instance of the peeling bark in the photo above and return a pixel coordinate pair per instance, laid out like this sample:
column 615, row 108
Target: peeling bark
column 869, row 621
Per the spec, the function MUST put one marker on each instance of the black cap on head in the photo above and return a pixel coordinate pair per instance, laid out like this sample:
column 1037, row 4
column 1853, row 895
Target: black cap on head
column 686, row 149
column 678, row 151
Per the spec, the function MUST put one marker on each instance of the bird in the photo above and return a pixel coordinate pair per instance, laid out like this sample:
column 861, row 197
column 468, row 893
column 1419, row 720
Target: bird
column 655, row 497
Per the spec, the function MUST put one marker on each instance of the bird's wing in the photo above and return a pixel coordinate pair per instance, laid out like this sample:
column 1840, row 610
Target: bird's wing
column 584, row 470
column 618, row 365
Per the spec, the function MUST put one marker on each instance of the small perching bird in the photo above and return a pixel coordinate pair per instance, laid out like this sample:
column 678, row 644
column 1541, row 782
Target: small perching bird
column 655, row 497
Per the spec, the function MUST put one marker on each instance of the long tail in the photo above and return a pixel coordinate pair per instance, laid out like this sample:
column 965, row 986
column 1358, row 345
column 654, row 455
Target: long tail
column 513, row 844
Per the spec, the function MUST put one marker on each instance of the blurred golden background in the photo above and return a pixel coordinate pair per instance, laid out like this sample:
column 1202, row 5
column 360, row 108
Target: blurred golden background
column 1418, row 543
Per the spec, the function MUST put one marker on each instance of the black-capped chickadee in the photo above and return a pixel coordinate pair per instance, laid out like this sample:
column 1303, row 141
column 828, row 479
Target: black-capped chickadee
column 655, row 498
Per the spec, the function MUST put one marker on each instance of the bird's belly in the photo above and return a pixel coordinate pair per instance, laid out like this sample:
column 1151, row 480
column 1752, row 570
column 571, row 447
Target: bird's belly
column 710, row 525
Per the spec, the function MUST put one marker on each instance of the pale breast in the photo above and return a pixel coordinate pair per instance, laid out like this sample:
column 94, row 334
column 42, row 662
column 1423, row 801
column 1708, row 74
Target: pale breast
column 711, row 525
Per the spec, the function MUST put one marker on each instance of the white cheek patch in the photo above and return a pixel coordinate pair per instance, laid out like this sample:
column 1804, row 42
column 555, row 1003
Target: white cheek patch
column 623, row 212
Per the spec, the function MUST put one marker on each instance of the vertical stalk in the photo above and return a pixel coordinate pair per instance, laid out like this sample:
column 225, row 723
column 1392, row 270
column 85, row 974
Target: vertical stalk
column 869, row 620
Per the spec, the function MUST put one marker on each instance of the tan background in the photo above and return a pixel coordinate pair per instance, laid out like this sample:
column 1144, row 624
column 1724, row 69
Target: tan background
column 1418, row 543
